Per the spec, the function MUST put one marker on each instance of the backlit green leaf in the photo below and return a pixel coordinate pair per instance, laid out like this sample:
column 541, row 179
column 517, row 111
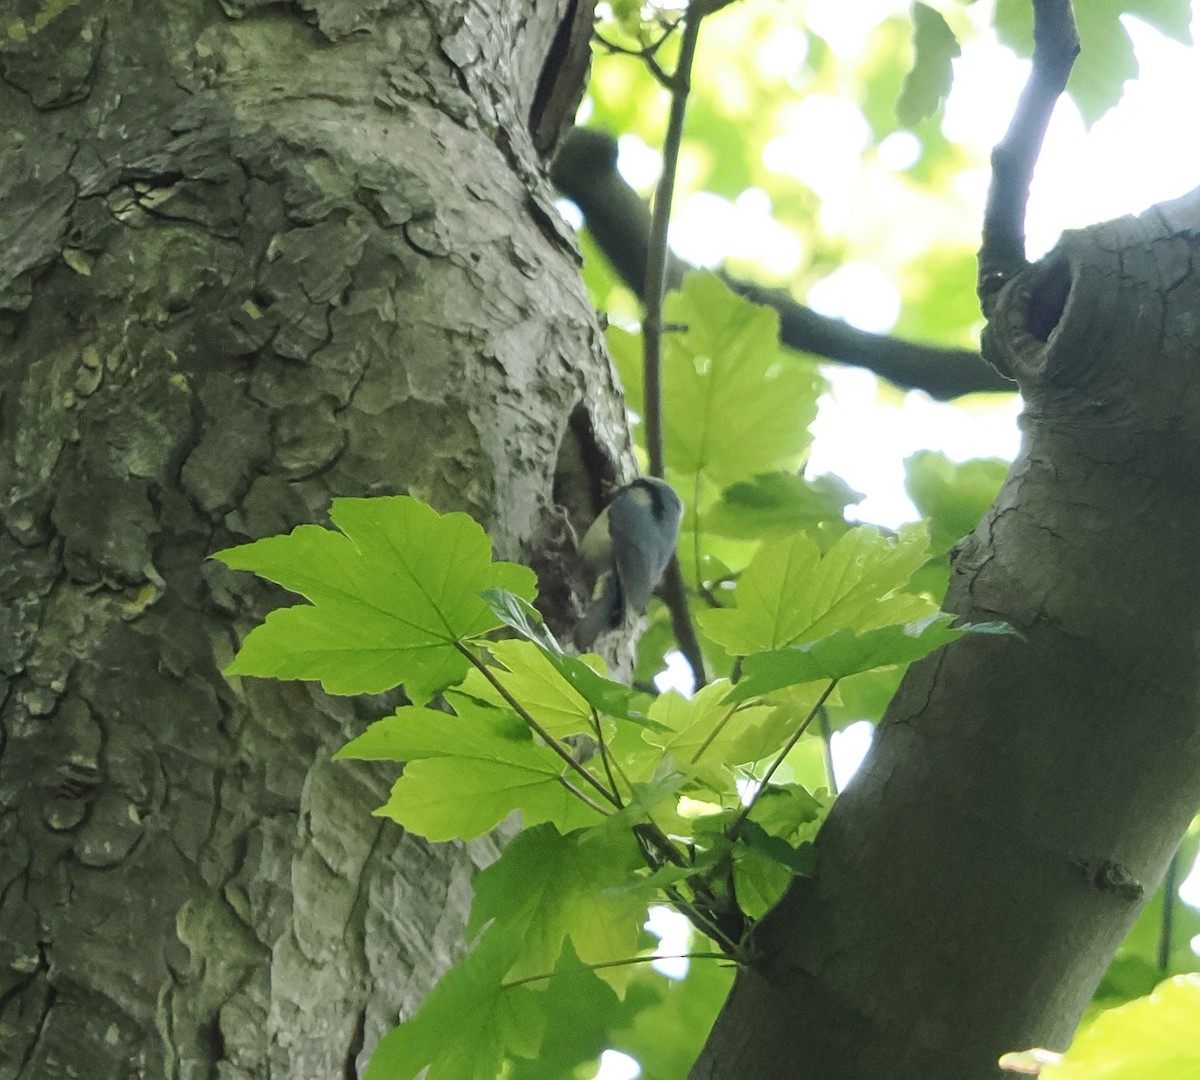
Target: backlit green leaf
column 928, row 82
column 791, row 594
column 392, row 592
column 468, row 1024
column 547, row 886
column 466, row 773
column 1153, row 1038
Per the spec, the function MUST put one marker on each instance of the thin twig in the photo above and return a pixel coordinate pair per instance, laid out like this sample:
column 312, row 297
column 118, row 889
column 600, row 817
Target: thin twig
column 675, row 596
column 542, row 733
column 1170, row 898
column 585, row 171
column 655, row 283
column 827, row 738
column 717, row 729
column 1055, row 46
column 654, row 287
column 604, row 756
column 736, row 824
column 580, row 795
column 649, row 959
column 702, row 922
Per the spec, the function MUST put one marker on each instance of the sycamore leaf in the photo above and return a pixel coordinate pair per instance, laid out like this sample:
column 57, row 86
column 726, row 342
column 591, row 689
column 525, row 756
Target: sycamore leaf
column 773, row 845
column 847, row 653
column 468, row 1025
column 791, row 594
column 413, row 732
column 603, row 694
column 928, row 82
column 724, row 377
column 547, row 886
column 666, row 1038
column 466, row 773
column 778, row 503
column 1152, row 1038
column 1106, row 60
column 532, row 679
column 517, row 612
column 798, row 858
column 723, row 380
column 705, row 727
column 952, row 495
column 581, row 1012
column 392, row 594
column 787, row 811
column 759, row 879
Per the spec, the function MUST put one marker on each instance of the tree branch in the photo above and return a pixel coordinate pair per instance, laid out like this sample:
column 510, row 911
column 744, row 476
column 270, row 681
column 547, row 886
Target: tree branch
column 585, row 171
column 1055, row 46
column 654, row 287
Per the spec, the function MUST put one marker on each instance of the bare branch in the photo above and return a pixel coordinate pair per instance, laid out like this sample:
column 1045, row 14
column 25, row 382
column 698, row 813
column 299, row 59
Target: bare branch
column 1055, row 46
column 585, row 172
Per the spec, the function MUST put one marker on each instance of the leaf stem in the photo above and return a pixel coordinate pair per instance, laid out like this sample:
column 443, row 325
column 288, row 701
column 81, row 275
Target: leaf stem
column 541, row 732
column 629, row 960
column 717, row 729
column 703, row 923
column 605, row 757
column 654, row 286
column 581, row 795
column 827, row 738
column 736, row 824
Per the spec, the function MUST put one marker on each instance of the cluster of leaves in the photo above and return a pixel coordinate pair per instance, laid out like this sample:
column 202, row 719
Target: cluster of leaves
column 624, row 798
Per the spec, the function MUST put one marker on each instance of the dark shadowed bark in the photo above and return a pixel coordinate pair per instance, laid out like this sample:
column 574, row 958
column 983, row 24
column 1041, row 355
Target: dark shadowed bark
column 1024, row 796
column 257, row 255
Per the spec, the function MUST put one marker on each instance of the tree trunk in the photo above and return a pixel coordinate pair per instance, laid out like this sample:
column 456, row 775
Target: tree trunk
column 254, row 259
column 1024, row 795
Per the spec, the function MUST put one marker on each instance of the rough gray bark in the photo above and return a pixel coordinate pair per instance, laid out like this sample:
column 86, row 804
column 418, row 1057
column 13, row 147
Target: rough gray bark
column 254, row 258
column 1023, row 797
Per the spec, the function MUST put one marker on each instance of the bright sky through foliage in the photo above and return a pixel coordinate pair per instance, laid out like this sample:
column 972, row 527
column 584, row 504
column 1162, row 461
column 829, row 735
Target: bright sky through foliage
column 1131, row 158
column 1138, row 154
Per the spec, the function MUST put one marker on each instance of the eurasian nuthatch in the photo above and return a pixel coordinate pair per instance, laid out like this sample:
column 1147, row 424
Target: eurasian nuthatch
column 628, row 546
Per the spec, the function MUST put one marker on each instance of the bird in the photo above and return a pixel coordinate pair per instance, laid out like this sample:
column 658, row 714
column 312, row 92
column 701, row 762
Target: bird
column 628, row 548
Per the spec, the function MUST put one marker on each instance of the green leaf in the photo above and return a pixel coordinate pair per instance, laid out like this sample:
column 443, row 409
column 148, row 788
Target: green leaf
column 546, row 887
column 560, row 691
column 413, row 732
column 468, row 1025
column 603, row 694
column 778, row 503
column 705, row 721
column 666, row 1038
column 928, row 82
column 581, row 1013
column 1153, row 1038
column 797, row 859
column 1106, row 59
column 519, row 614
column 392, row 594
column 790, row 594
column 466, row 773
column 1170, row 17
column 759, row 879
column 953, row 496
column 847, row 653
column 736, row 403
column 789, row 811
column 535, row 681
